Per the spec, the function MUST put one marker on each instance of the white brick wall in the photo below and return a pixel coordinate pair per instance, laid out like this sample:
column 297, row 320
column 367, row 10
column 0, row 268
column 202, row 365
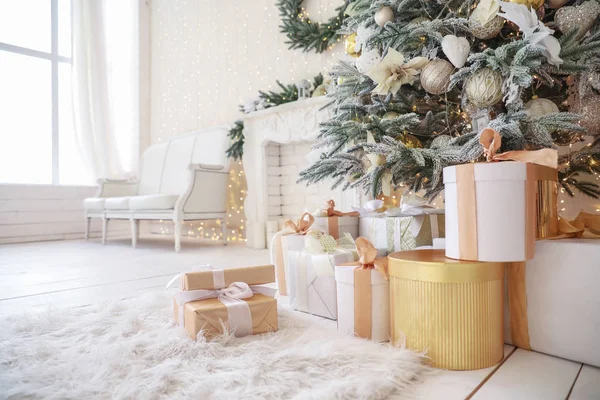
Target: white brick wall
column 286, row 198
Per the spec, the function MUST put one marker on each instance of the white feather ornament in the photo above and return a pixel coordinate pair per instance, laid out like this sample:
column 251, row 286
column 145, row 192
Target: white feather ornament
column 533, row 29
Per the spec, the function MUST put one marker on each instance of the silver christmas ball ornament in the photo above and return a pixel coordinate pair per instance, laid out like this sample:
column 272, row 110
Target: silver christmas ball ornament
column 538, row 107
column 435, row 77
column 484, row 87
column 384, row 15
column 487, row 31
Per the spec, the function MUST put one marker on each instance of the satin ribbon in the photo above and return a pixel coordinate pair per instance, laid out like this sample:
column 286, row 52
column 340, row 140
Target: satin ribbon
column 363, row 296
column 333, row 225
column 371, row 206
column 585, row 226
column 491, row 141
column 277, row 258
column 206, row 267
column 332, row 212
column 238, row 312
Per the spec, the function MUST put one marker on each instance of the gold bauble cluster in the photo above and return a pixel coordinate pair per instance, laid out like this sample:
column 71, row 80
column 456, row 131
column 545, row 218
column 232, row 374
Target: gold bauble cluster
column 350, row 46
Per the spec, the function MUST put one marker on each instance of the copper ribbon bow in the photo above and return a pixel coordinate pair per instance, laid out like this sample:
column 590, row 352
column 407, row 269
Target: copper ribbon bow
column 367, row 261
column 333, row 225
column 585, row 226
column 332, row 212
column 491, row 141
column 300, row 228
column 367, row 257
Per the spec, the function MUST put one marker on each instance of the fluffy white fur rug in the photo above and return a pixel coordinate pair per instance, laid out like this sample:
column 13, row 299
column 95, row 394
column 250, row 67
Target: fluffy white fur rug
column 131, row 349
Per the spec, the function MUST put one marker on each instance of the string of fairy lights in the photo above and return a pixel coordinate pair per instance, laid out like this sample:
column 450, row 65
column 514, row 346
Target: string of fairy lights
column 210, row 57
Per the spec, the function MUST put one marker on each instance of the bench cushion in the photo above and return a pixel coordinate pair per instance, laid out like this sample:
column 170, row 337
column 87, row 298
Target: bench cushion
column 117, row 203
column 153, row 202
column 94, row 204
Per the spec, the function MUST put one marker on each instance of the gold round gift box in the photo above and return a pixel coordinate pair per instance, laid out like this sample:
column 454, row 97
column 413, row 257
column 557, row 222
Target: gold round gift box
column 452, row 309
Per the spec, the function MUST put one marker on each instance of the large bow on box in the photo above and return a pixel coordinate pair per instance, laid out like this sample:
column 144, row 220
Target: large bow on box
column 302, row 226
column 491, row 141
column 367, row 257
column 238, row 312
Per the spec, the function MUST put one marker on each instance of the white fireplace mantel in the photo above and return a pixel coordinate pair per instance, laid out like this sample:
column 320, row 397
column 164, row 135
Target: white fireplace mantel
column 288, row 123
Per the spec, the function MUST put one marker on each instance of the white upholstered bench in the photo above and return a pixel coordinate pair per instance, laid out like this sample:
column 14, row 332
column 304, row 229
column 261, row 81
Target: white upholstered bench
column 183, row 179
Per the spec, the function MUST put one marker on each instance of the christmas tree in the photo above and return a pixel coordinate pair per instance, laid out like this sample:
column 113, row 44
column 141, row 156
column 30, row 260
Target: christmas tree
column 430, row 75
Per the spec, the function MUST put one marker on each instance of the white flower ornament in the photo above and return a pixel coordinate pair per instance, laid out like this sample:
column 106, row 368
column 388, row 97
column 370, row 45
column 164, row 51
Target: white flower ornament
column 392, row 72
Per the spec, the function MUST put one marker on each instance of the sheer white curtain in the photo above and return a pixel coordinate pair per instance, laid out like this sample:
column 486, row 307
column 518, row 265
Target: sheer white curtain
column 105, row 85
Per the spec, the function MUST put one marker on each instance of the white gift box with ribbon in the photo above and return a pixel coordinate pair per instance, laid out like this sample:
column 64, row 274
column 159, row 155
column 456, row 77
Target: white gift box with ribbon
column 312, row 274
column 312, row 281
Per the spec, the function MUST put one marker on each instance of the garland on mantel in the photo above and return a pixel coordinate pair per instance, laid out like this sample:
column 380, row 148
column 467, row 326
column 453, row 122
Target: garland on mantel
column 302, row 33
column 266, row 100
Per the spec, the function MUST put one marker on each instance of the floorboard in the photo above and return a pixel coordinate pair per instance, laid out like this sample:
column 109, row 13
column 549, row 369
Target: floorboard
column 455, row 385
column 587, row 386
column 529, row 375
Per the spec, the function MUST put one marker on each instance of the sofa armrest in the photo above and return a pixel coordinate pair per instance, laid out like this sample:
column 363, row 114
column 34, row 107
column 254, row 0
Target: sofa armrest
column 207, row 190
column 116, row 188
column 208, row 167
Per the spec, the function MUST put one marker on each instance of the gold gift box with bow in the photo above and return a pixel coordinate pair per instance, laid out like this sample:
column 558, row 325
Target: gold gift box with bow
column 210, row 316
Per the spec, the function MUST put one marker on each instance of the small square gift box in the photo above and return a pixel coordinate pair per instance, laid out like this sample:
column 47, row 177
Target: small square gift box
column 291, row 238
column 336, row 223
column 494, row 210
column 215, row 301
column 412, row 226
column 363, row 294
column 312, row 277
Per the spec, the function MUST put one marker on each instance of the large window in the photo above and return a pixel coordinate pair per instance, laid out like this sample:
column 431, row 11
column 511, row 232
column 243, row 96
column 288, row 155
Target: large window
column 37, row 138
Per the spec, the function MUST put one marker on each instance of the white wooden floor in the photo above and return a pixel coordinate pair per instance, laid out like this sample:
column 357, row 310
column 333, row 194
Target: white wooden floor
column 78, row 273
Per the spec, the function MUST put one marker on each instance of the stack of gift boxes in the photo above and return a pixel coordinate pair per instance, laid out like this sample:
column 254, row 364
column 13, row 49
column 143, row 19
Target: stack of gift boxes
column 396, row 282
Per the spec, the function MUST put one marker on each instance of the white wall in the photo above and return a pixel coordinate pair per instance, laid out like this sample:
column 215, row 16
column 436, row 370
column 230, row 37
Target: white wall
column 31, row 213
column 209, row 56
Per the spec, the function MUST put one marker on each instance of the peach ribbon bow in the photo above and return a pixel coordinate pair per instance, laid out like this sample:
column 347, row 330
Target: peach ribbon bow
column 367, row 257
column 332, row 212
column 303, row 225
column 491, row 141
column 585, row 226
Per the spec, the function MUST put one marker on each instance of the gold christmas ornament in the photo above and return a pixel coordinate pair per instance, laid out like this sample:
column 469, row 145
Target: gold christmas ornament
column 350, row 44
column 556, row 3
column 384, row 15
column 484, row 87
column 435, row 77
column 410, row 141
column 538, row 107
column 589, row 109
column 581, row 17
column 418, row 20
column 486, row 31
column 390, row 115
column 535, row 4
